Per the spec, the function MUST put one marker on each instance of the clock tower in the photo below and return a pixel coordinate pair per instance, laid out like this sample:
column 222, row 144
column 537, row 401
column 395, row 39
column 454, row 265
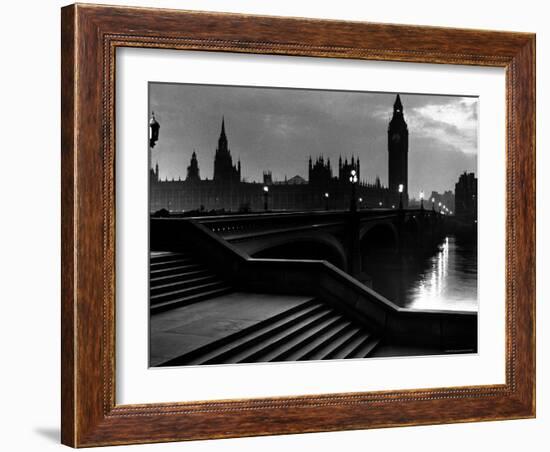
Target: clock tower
column 398, row 150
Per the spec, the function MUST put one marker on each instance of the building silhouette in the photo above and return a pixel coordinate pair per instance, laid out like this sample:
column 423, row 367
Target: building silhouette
column 323, row 189
column 447, row 199
column 398, row 150
column 193, row 173
column 224, row 170
column 320, row 172
column 466, row 195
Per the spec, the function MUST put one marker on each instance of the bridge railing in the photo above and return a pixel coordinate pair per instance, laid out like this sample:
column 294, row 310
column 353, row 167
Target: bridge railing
column 233, row 224
column 447, row 329
column 253, row 223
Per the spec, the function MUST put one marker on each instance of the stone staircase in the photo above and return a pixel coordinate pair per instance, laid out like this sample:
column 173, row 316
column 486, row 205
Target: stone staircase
column 310, row 330
column 178, row 279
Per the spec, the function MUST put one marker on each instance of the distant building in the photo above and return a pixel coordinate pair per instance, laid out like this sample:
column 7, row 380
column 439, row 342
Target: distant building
column 228, row 192
column 320, row 172
column 466, row 195
column 446, row 199
column 296, row 180
column 268, row 178
column 398, row 150
column 193, row 173
column 224, row 170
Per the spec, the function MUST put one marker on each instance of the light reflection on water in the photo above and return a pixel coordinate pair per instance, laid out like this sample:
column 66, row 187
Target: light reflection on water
column 446, row 279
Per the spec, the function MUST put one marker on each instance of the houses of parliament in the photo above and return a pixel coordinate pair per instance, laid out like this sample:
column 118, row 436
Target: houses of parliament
column 324, row 189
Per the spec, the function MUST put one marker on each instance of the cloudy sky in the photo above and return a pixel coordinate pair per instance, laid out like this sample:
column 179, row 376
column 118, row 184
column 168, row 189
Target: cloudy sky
column 278, row 129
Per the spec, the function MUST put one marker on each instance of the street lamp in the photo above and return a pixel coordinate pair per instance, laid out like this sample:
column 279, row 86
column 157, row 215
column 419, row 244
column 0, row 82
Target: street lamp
column 421, row 200
column 266, row 194
column 154, row 127
column 433, row 203
column 353, row 181
column 400, row 188
column 439, row 204
column 380, row 203
column 326, row 201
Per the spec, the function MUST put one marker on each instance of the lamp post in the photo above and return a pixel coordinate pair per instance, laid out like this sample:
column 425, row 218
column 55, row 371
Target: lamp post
column 154, row 127
column 380, row 203
column 433, row 204
column 400, row 196
column 439, row 204
column 354, row 262
column 266, row 194
column 327, row 196
column 353, row 180
column 421, row 200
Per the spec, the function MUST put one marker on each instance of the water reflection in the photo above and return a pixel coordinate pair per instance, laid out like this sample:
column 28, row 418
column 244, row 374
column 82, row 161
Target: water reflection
column 444, row 279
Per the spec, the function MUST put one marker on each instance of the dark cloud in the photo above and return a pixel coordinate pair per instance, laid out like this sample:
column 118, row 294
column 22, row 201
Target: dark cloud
column 278, row 129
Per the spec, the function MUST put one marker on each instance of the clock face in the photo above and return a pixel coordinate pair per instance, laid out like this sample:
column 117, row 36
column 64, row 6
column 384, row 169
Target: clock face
column 396, row 137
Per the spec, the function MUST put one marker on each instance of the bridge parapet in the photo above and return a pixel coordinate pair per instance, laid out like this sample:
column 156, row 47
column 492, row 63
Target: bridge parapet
column 257, row 223
column 250, row 223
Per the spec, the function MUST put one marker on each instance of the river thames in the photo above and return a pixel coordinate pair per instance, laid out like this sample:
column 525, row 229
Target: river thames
column 445, row 279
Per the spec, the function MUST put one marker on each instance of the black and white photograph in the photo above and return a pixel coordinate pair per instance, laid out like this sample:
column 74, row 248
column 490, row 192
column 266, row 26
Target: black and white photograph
column 290, row 224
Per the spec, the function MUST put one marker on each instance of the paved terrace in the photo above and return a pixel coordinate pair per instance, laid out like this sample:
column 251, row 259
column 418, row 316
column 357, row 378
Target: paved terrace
column 186, row 328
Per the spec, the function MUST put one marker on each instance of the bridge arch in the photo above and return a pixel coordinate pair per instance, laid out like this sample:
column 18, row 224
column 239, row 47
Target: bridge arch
column 386, row 231
column 378, row 238
column 312, row 246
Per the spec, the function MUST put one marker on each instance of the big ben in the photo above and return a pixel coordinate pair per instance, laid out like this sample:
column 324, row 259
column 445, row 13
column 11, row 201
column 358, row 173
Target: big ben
column 398, row 150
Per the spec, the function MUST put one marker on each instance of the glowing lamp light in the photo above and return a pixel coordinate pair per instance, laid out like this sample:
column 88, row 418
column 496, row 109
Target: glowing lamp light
column 421, row 195
column 266, row 188
column 400, row 188
column 326, row 195
column 433, row 199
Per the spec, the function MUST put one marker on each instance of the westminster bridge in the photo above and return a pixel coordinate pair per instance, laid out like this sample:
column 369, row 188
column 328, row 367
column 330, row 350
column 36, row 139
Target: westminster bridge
column 343, row 238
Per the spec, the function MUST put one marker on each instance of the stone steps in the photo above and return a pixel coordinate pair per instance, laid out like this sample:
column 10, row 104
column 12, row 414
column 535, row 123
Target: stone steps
column 160, row 272
column 183, row 301
column 179, row 278
column 312, row 330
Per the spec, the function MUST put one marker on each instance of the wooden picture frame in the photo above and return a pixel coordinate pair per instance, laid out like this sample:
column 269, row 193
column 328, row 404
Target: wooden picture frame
column 90, row 36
